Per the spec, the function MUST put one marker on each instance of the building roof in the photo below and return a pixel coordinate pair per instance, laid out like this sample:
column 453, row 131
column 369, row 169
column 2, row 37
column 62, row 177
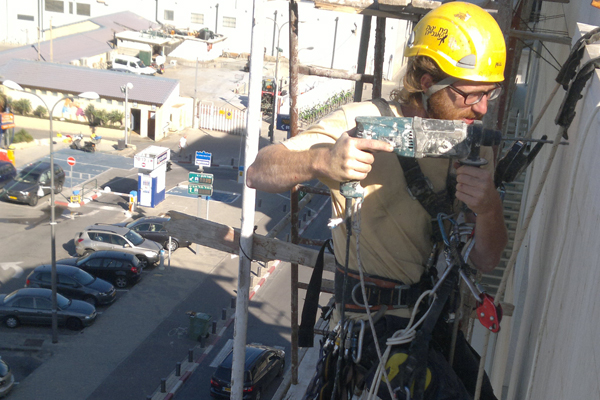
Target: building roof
column 81, row 39
column 70, row 79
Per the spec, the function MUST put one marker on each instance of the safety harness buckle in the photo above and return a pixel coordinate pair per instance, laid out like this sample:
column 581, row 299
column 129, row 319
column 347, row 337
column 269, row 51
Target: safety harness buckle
column 402, row 303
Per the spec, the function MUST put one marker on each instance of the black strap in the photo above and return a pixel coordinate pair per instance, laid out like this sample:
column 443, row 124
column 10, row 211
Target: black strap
column 395, row 295
column 306, row 331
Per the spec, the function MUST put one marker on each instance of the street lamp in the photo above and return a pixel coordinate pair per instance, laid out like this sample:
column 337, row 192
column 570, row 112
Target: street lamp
column 87, row 95
column 125, row 89
column 276, row 85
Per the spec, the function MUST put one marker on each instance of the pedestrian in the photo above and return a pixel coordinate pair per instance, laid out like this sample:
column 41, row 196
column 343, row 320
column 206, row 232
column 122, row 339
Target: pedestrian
column 182, row 146
column 456, row 59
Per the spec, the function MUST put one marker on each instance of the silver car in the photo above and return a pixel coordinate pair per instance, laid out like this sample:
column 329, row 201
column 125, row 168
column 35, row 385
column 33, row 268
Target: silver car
column 110, row 237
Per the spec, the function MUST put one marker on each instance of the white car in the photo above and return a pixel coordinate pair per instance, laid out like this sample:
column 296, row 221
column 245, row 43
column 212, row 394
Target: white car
column 131, row 64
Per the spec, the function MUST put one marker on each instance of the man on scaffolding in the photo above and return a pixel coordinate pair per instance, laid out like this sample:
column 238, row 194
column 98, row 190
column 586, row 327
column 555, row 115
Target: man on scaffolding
column 456, row 58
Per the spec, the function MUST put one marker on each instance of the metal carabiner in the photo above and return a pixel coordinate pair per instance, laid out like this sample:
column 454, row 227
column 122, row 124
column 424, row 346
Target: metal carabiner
column 357, row 354
column 354, row 294
column 348, row 339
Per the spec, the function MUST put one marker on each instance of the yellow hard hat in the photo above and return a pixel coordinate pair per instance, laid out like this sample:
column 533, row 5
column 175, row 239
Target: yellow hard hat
column 463, row 39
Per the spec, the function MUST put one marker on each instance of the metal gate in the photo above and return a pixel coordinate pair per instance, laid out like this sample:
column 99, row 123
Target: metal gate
column 221, row 119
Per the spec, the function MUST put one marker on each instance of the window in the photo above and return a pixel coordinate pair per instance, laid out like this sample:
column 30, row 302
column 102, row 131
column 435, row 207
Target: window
column 100, row 237
column 66, row 280
column 169, row 15
column 228, row 22
column 71, row 7
column 25, row 17
column 94, row 263
column 25, row 302
column 83, row 9
column 55, row 6
column 43, row 304
column 112, row 264
column 141, row 228
column 118, row 240
column 197, row 18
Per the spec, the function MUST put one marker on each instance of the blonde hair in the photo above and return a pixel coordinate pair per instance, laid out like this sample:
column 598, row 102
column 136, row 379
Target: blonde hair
column 410, row 92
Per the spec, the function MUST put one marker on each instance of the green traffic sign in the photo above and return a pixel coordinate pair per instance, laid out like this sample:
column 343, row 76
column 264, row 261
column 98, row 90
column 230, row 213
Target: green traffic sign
column 200, row 190
column 199, row 177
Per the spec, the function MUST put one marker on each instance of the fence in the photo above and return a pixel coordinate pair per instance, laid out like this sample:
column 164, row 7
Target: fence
column 220, row 119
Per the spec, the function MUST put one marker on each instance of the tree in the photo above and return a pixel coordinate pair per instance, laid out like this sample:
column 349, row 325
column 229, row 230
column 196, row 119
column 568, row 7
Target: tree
column 115, row 117
column 40, row 111
column 22, row 106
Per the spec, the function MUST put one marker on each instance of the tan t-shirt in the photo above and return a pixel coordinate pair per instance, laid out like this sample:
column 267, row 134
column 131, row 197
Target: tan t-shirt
column 395, row 230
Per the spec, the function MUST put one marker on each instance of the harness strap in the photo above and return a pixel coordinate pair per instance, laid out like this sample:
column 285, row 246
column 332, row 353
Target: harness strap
column 306, row 331
column 380, row 292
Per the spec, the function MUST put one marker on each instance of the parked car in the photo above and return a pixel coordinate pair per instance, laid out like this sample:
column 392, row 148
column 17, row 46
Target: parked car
column 110, row 237
column 153, row 228
column 263, row 365
column 7, row 172
column 7, row 380
column 131, row 64
column 34, row 306
column 73, row 283
column 123, row 269
column 33, row 182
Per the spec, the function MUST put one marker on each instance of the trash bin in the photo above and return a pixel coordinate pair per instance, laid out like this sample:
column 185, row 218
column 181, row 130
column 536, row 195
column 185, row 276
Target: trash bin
column 121, row 144
column 199, row 325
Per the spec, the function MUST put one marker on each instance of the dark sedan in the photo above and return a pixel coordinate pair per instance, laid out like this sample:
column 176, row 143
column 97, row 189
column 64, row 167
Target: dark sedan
column 33, row 182
column 34, row 306
column 263, row 364
column 73, row 283
column 7, row 172
column 121, row 268
column 153, row 228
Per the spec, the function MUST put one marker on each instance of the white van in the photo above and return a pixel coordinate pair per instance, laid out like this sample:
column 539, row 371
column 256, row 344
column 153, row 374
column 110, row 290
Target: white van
column 131, row 64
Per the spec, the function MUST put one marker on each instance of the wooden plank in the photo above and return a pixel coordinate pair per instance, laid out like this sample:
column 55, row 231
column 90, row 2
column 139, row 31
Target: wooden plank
column 327, row 286
column 398, row 9
column 225, row 238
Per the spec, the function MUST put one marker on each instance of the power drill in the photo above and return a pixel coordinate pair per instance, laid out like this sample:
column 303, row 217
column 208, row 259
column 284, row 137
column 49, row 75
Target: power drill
column 424, row 137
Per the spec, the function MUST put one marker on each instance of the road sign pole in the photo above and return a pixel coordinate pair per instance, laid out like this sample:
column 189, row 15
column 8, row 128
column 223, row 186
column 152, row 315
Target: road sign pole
column 207, row 201
column 71, row 178
column 198, row 214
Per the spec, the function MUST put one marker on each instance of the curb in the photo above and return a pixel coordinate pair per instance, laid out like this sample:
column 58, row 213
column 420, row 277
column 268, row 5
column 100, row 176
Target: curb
column 81, row 203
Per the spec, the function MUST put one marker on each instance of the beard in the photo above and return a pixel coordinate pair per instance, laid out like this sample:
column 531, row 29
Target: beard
column 440, row 106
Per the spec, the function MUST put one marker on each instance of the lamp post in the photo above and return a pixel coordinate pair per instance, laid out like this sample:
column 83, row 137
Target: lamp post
column 276, row 84
column 125, row 89
column 87, row 95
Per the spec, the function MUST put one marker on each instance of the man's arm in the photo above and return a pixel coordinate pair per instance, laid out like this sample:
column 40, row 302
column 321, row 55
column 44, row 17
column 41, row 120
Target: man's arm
column 278, row 169
column 476, row 189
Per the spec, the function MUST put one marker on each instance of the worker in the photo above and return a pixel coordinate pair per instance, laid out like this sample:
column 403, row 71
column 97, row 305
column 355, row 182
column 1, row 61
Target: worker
column 456, row 59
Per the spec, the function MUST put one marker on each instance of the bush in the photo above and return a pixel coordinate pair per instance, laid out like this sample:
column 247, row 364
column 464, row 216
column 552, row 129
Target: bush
column 22, row 106
column 115, row 117
column 95, row 117
column 22, row 136
column 40, row 111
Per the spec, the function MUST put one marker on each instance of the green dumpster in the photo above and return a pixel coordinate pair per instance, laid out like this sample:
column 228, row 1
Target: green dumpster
column 199, row 324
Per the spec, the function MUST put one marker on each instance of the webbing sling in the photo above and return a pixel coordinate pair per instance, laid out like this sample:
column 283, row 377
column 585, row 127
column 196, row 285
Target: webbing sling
column 306, row 331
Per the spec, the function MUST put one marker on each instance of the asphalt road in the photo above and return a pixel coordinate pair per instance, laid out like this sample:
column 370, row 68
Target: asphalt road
column 138, row 340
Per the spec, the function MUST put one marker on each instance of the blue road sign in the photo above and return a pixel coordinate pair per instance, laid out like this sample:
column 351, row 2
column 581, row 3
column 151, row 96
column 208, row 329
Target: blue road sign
column 203, row 158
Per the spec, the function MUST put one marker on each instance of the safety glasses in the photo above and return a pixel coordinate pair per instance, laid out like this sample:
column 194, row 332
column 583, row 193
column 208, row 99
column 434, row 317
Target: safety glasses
column 476, row 97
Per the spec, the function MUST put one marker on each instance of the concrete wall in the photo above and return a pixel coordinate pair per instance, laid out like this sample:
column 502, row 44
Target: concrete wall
column 549, row 350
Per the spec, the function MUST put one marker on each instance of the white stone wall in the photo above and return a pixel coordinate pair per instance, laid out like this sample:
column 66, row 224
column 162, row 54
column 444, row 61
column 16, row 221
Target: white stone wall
column 550, row 350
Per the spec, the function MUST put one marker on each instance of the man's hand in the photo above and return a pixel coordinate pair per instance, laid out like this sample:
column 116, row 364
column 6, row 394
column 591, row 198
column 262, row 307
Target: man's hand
column 350, row 158
column 475, row 187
